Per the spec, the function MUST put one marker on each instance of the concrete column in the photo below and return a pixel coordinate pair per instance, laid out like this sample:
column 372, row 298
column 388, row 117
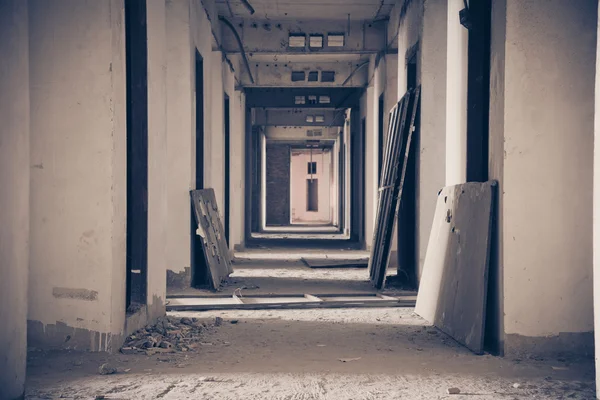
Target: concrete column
column 181, row 136
column 157, row 158
column 78, row 174
column 371, row 159
column 238, row 168
column 214, row 163
column 432, row 158
column 456, row 95
column 14, row 196
column 547, row 125
column 596, row 214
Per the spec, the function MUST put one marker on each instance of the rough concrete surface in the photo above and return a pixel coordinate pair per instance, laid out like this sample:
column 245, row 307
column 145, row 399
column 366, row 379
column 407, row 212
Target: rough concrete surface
column 296, row 354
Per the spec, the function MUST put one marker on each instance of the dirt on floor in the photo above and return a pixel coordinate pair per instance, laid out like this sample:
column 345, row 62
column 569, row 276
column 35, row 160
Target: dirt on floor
column 374, row 353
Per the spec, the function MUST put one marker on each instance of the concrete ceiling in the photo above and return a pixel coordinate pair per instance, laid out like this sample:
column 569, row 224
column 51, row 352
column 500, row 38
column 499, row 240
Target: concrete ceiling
column 308, row 9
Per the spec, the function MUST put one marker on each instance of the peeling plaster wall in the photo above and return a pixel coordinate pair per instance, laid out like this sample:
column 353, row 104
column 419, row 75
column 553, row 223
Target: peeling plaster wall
column 14, row 196
column 78, row 132
column 547, row 175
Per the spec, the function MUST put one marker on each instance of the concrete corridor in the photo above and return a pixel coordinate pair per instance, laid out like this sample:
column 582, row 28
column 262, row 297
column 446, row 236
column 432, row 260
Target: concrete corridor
column 295, row 354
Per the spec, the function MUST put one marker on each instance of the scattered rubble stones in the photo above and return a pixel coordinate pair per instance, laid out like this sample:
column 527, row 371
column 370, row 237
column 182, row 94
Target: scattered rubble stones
column 168, row 335
column 453, row 390
column 106, row 369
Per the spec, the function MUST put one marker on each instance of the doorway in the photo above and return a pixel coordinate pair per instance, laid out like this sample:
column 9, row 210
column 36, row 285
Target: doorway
column 199, row 271
column 227, row 124
column 407, row 213
column 137, row 153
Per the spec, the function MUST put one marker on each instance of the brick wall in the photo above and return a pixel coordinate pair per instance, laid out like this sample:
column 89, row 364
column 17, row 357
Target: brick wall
column 278, row 184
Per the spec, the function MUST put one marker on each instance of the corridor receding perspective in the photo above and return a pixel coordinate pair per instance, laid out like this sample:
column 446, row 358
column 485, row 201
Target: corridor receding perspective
column 273, row 199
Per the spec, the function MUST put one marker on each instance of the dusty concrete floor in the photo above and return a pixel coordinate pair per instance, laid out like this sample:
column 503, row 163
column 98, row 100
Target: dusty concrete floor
column 295, row 354
column 265, row 277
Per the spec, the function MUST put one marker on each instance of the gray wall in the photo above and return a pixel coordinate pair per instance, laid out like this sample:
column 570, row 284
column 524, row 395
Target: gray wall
column 14, row 195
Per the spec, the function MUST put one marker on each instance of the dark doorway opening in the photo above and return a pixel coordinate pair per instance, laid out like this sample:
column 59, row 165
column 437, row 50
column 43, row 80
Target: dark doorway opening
column 227, row 128
column 312, row 195
column 407, row 213
column 137, row 153
column 478, row 91
column 381, row 140
column 199, row 270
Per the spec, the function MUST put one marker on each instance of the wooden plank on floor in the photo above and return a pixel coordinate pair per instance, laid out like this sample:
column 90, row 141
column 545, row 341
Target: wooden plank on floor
column 453, row 289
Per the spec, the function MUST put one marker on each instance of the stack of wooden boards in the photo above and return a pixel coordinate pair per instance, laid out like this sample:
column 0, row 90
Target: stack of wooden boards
column 211, row 235
column 400, row 129
column 453, row 288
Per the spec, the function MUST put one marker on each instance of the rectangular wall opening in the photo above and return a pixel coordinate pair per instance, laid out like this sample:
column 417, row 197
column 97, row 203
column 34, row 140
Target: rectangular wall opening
column 199, row 272
column 227, row 123
column 312, row 195
column 407, row 214
column 136, row 49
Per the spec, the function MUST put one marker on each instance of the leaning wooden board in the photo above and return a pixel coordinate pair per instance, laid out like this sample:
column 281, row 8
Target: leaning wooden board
column 210, row 231
column 453, row 288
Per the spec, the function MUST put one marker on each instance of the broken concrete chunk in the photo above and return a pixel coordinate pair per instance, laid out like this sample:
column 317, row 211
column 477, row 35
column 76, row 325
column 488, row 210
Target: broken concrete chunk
column 106, row 369
column 218, row 321
column 453, row 390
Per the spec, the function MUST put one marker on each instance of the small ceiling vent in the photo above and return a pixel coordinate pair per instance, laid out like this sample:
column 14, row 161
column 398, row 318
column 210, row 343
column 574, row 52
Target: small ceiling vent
column 314, row 132
column 298, row 76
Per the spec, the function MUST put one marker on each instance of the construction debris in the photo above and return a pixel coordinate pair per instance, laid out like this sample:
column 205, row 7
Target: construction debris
column 106, row 369
column 168, row 335
column 453, row 390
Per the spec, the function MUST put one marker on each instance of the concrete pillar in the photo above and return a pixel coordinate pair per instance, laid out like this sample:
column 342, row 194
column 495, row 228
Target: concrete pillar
column 596, row 214
column 157, row 158
column 371, row 159
column 545, row 124
column 78, row 174
column 456, row 96
column 214, row 163
column 181, row 137
column 14, row 196
column 432, row 157
column 238, row 168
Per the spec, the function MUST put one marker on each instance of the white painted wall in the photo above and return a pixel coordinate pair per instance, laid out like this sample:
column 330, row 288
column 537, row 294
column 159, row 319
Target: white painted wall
column 547, row 169
column 298, row 194
column 78, row 132
column 14, row 197
column 432, row 166
column 456, row 96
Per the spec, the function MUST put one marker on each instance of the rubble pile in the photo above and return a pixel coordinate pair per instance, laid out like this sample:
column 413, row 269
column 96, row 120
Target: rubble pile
column 168, row 335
